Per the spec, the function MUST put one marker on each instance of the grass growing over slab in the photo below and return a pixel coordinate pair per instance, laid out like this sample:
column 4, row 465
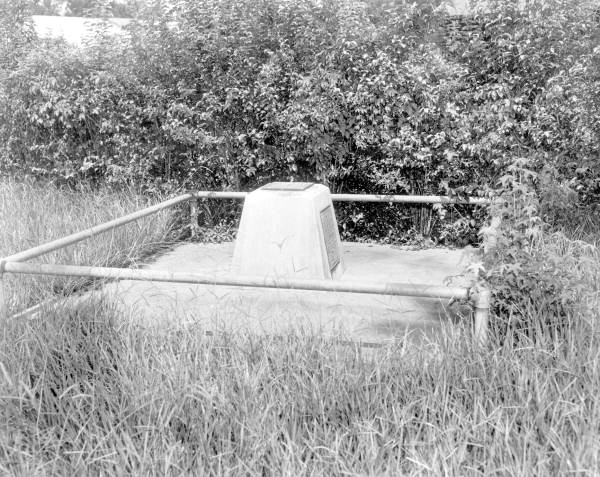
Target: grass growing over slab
column 83, row 393
column 34, row 213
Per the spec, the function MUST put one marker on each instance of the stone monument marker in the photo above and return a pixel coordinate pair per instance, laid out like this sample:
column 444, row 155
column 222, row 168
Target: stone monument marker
column 288, row 229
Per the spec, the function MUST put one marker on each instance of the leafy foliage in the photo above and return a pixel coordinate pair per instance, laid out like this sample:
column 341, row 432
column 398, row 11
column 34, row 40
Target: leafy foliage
column 16, row 32
column 371, row 96
column 87, row 8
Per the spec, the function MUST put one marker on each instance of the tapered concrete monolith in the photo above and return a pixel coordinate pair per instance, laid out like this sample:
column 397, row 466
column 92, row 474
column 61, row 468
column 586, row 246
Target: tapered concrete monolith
column 288, row 229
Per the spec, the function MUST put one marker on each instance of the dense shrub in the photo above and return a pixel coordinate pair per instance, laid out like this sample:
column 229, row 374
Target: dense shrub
column 371, row 96
column 87, row 8
column 16, row 32
column 539, row 280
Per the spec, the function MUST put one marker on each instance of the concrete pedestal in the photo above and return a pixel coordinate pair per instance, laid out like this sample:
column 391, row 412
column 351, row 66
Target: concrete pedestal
column 288, row 229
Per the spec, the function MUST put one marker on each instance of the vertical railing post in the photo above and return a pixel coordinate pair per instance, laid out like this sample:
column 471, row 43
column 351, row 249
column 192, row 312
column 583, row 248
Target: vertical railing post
column 194, row 201
column 3, row 297
column 491, row 234
column 482, row 300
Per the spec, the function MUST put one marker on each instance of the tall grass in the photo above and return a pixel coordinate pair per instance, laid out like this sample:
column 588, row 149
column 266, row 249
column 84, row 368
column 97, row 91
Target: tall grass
column 34, row 213
column 82, row 394
column 84, row 391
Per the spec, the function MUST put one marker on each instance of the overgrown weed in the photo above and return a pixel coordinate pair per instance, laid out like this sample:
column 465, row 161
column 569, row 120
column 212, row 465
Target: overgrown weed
column 83, row 391
column 34, row 213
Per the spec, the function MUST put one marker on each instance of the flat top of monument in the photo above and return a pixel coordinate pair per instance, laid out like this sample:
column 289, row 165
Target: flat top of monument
column 288, row 186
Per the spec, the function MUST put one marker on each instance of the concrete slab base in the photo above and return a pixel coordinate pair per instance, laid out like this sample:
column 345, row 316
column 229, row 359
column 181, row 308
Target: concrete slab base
column 357, row 317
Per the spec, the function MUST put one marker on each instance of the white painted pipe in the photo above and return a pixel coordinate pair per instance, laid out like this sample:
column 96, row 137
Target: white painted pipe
column 194, row 217
column 402, row 199
column 3, row 304
column 10, row 263
column 482, row 299
column 92, row 231
column 399, row 289
column 85, row 234
column 409, row 199
column 208, row 194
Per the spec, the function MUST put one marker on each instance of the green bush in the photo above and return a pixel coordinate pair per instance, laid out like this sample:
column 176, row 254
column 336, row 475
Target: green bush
column 379, row 97
column 539, row 280
column 16, row 32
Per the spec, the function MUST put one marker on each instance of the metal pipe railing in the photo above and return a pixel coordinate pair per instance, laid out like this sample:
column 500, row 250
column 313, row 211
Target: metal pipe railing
column 98, row 229
column 207, row 194
column 482, row 302
column 11, row 264
column 409, row 199
column 400, row 199
column 92, row 231
column 401, row 289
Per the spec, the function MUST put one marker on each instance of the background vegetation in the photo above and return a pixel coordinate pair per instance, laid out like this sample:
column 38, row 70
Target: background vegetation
column 33, row 214
column 87, row 8
column 376, row 96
